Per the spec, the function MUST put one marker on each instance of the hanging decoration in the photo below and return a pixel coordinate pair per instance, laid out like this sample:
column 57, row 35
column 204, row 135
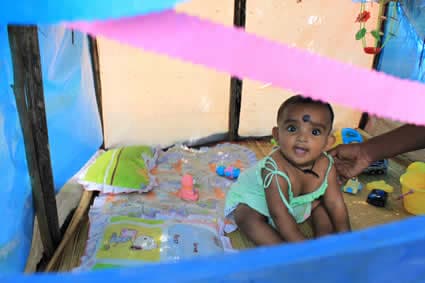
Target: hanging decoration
column 362, row 18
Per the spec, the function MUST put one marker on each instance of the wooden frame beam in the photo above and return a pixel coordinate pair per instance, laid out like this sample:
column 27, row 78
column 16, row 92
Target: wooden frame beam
column 236, row 83
column 29, row 96
column 94, row 56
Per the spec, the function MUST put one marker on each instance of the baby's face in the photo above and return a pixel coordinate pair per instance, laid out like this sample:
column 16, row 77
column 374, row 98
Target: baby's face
column 303, row 132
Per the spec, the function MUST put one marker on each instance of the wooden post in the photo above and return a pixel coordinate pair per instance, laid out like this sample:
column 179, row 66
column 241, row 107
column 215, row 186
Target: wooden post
column 28, row 89
column 236, row 83
column 94, row 55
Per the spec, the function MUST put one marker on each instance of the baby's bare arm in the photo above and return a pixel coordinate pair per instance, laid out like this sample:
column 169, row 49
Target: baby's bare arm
column 335, row 205
column 285, row 222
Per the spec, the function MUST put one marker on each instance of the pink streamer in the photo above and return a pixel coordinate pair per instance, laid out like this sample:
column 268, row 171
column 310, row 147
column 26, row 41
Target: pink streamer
column 246, row 55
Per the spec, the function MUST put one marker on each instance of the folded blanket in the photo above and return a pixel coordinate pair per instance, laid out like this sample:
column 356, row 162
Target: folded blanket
column 121, row 170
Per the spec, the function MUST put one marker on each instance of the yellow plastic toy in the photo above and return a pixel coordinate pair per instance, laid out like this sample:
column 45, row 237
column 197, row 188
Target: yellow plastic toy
column 380, row 185
column 338, row 138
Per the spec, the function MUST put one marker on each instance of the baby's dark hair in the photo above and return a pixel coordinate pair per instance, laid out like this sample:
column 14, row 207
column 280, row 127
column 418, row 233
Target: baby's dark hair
column 299, row 99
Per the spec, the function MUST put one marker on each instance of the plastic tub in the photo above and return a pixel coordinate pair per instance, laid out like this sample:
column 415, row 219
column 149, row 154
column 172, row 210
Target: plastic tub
column 413, row 190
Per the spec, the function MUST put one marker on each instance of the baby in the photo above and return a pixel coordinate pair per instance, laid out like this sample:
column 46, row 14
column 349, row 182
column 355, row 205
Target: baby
column 296, row 182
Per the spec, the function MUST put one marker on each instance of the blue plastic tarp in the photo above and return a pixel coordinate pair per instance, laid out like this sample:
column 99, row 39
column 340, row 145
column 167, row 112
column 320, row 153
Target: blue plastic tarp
column 16, row 207
column 403, row 55
column 73, row 126
column 389, row 253
column 73, row 121
column 415, row 13
column 54, row 11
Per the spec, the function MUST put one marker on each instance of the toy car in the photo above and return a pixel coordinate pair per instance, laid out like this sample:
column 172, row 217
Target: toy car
column 379, row 191
column 377, row 198
column 379, row 167
column 353, row 186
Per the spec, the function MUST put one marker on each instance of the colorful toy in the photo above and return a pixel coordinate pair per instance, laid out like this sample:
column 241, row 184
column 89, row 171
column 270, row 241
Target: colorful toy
column 228, row 172
column 350, row 135
column 379, row 193
column 380, row 185
column 353, row 186
column 346, row 136
column 377, row 198
column 379, row 167
column 187, row 192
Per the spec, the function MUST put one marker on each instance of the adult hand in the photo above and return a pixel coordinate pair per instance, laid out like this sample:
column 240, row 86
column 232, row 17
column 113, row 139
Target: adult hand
column 350, row 160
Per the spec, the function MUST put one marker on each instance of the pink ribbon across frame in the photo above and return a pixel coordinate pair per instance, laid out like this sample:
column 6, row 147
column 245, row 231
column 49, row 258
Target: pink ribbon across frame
column 246, row 55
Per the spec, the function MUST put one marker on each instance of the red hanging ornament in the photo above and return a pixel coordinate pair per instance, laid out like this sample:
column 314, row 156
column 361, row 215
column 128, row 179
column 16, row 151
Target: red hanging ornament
column 363, row 17
column 372, row 50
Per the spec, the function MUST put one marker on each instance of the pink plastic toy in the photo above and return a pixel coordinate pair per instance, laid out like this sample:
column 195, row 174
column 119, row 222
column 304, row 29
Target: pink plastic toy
column 187, row 192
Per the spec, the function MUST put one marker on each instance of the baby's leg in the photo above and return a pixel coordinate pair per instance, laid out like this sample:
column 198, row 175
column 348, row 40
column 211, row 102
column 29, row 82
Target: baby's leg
column 255, row 226
column 322, row 224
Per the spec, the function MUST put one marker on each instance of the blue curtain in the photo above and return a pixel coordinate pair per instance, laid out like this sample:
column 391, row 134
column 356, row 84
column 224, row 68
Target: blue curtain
column 403, row 54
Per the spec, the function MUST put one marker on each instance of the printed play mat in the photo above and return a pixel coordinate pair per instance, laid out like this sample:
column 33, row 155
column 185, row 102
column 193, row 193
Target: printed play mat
column 117, row 241
column 171, row 166
column 128, row 229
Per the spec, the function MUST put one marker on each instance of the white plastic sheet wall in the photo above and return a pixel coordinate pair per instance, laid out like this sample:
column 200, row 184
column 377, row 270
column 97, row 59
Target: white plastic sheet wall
column 324, row 27
column 152, row 99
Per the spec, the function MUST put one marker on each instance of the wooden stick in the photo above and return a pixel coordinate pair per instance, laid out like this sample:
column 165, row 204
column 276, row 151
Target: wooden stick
column 29, row 96
column 70, row 231
column 236, row 83
column 94, row 55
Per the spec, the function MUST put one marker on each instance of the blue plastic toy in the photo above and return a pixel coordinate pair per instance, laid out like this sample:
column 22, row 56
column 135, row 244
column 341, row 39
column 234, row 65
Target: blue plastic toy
column 350, row 135
column 228, row 172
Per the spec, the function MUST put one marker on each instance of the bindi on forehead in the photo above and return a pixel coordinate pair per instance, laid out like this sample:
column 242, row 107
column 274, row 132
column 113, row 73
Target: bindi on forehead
column 305, row 113
column 306, row 118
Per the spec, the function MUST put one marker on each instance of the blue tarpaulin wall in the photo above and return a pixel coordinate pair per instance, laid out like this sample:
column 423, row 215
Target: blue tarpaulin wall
column 73, row 125
column 403, row 55
column 16, row 207
column 391, row 253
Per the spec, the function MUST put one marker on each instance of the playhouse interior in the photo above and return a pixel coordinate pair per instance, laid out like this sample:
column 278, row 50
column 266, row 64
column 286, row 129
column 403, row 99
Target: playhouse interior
column 118, row 161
